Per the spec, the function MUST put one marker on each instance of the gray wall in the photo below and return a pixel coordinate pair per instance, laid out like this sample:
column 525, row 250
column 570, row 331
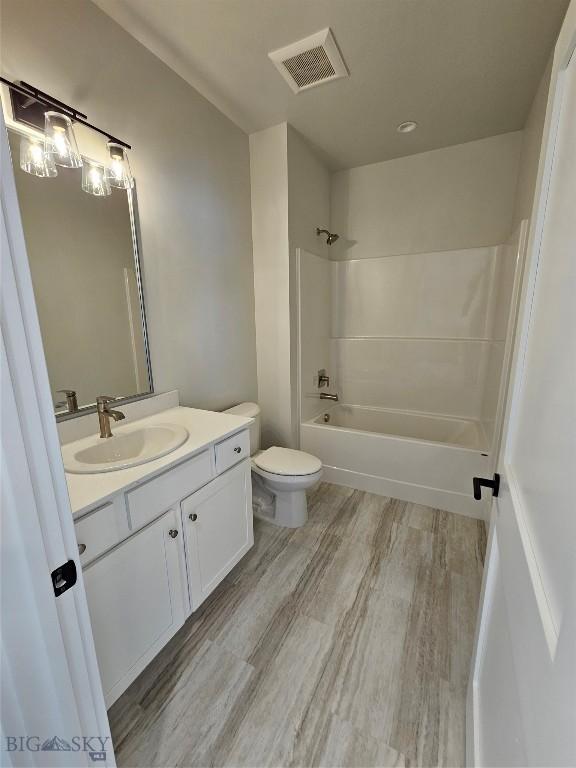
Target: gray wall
column 269, row 169
column 457, row 197
column 290, row 198
column 192, row 170
column 308, row 208
column 531, row 145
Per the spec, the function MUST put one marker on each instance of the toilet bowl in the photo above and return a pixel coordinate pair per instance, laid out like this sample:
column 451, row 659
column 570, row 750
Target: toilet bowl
column 280, row 476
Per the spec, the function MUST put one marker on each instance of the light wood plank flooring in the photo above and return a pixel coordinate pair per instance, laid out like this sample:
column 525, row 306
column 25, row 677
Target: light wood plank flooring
column 344, row 643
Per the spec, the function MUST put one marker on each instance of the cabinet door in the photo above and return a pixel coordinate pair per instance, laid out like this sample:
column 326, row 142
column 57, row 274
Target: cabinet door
column 217, row 522
column 137, row 598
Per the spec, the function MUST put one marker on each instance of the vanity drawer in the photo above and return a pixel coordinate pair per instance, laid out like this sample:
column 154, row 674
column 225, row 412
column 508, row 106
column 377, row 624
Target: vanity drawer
column 101, row 530
column 232, row 450
column 154, row 497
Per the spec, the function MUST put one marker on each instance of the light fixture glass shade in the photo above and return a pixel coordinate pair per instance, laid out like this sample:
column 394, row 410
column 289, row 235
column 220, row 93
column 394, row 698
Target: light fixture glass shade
column 59, row 140
column 34, row 160
column 118, row 171
column 94, row 179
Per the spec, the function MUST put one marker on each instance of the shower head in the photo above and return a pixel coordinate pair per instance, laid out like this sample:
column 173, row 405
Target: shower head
column 331, row 237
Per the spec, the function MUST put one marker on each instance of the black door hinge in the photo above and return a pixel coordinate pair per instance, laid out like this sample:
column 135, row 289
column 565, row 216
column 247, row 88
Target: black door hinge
column 64, row 577
column 478, row 482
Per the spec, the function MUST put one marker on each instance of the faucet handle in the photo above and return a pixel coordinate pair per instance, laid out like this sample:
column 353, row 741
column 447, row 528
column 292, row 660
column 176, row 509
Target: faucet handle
column 105, row 399
column 323, row 380
column 67, row 391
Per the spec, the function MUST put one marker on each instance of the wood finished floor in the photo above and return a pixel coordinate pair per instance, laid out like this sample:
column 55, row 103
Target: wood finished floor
column 343, row 643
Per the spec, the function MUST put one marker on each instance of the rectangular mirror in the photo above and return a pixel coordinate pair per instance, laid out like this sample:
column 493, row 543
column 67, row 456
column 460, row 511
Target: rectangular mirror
column 83, row 256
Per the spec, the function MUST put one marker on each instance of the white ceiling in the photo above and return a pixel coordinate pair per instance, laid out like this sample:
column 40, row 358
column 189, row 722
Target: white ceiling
column 463, row 69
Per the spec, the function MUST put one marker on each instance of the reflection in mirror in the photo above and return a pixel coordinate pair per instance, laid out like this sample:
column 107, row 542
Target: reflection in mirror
column 85, row 272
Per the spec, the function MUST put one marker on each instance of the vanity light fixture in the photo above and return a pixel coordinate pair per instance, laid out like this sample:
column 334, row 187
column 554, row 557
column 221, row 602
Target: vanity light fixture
column 43, row 112
column 118, row 172
column 59, row 140
column 94, row 179
column 34, row 160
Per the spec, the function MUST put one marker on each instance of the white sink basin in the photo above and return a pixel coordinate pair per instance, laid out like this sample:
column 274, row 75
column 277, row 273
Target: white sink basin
column 127, row 448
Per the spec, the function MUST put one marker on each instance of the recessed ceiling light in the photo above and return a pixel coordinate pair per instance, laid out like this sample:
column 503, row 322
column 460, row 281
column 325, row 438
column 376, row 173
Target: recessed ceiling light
column 407, row 127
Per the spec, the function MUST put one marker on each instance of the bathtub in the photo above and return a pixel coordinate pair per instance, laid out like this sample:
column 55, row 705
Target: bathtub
column 417, row 457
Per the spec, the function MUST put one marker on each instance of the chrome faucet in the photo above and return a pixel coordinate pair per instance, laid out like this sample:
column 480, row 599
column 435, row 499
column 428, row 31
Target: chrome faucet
column 104, row 414
column 328, row 396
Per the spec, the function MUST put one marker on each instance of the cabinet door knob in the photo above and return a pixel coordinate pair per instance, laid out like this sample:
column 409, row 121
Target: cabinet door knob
column 237, row 449
column 193, row 516
column 173, row 533
column 81, row 548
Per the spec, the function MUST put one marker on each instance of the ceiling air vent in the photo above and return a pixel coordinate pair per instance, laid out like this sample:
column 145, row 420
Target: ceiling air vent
column 310, row 62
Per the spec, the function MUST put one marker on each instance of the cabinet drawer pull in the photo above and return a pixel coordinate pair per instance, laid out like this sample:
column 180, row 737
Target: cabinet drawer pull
column 81, row 548
column 193, row 516
column 237, row 449
column 173, row 533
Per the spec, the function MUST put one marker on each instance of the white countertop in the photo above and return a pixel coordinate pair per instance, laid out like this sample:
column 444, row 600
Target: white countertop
column 87, row 491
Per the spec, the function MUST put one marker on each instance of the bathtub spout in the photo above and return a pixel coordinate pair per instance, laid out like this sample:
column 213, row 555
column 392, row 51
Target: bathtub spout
column 328, row 396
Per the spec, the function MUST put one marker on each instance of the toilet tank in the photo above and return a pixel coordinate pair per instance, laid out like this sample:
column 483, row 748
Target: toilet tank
column 250, row 411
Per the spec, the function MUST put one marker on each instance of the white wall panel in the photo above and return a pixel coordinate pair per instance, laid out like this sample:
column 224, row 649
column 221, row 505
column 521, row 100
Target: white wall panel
column 428, row 375
column 441, row 294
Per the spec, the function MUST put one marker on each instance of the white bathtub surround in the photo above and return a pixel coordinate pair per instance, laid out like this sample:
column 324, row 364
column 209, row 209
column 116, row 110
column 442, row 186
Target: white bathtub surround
column 416, row 345
column 434, row 294
column 435, row 376
column 422, row 332
column 419, row 458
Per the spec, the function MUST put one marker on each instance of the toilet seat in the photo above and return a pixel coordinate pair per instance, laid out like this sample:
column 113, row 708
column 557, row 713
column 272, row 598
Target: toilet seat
column 287, row 462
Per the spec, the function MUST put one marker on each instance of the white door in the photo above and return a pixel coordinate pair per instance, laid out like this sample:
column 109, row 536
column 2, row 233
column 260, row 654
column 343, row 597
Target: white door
column 217, row 521
column 136, row 601
column 52, row 709
column 522, row 696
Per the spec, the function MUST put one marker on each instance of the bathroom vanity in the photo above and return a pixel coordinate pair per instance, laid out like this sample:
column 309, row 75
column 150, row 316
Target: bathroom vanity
column 156, row 539
column 162, row 497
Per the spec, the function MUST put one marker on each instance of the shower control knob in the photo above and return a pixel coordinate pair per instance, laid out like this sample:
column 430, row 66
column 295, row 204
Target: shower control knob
column 193, row 517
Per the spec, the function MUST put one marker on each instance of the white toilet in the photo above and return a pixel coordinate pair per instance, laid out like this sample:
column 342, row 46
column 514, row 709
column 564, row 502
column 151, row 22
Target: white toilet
column 280, row 476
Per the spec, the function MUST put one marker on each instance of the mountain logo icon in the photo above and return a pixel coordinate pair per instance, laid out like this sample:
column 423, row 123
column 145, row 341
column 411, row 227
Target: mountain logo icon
column 56, row 744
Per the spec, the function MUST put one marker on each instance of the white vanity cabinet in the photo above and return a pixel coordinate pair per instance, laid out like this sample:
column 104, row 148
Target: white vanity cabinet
column 217, row 526
column 137, row 601
column 153, row 552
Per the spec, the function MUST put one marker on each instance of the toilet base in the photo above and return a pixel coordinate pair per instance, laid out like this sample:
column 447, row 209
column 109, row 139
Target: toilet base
column 291, row 509
column 285, row 508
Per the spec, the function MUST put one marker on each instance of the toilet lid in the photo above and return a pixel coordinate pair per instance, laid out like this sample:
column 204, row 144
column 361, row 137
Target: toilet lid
column 285, row 461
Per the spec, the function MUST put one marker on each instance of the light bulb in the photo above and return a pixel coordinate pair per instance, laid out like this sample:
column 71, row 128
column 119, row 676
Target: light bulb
column 118, row 169
column 94, row 179
column 34, row 160
column 59, row 140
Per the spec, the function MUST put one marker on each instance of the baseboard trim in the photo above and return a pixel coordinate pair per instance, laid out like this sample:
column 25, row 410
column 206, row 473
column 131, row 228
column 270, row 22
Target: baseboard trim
column 450, row 501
